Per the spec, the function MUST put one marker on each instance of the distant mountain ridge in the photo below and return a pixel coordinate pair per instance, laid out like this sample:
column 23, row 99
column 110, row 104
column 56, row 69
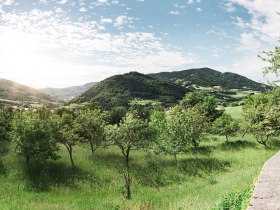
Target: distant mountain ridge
column 68, row 93
column 10, row 90
column 119, row 90
column 207, row 77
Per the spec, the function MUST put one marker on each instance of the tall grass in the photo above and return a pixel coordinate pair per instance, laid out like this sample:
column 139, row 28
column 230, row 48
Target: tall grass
column 201, row 179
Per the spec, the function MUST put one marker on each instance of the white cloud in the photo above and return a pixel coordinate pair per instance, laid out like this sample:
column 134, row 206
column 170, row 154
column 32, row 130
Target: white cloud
column 229, row 7
column 199, row 9
column 62, row 2
column 174, row 13
column 248, row 41
column 106, row 20
column 219, row 32
column 83, row 9
column 190, row 2
column 58, row 51
column 264, row 21
column 7, row 2
column 121, row 20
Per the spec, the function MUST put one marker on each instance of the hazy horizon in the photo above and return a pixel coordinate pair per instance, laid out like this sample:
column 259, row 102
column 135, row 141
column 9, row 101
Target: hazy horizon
column 62, row 43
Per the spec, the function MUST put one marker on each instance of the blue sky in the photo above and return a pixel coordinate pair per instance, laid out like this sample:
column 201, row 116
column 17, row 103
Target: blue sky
column 61, row 43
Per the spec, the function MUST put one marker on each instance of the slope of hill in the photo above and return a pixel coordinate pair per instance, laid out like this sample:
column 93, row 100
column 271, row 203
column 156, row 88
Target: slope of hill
column 10, row 90
column 207, row 77
column 66, row 94
column 119, row 90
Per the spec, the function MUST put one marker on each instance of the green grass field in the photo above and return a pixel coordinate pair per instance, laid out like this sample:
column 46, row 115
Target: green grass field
column 199, row 181
column 234, row 111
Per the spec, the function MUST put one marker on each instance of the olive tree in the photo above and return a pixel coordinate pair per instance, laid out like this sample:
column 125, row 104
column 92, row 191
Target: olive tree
column 207, row 104
column 178, row 129
column 34, row 135
column 225, row 126
column 261, row 115
column 132, row 133
column 90, row 126
column 66, row 132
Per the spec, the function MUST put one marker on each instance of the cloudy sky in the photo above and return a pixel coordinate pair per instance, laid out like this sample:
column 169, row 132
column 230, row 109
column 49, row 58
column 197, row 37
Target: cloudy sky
column 61, row 43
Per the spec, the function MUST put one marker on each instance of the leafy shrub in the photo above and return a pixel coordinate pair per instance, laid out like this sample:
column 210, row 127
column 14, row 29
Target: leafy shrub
column 237, row 200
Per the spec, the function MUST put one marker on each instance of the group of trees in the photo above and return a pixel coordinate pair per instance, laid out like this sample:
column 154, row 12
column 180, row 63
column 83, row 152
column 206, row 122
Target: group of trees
column 39, row 134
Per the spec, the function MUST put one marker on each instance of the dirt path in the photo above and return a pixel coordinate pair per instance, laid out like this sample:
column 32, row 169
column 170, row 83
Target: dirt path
column 266, row 195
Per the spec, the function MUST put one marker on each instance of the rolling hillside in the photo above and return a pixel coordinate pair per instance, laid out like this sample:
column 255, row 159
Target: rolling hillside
column 10, row 90
column 66, row 94
column 119, row 90
column 207, row 77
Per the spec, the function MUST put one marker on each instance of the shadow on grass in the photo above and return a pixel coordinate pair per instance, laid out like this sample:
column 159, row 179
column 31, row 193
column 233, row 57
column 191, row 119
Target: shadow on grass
column 158, row 172
column 237, row 145
column 2, row 168
column 274, row 144
column 113, row 160
column 4, row 149
column 200, row 166
column 45, row 176
column 202, row 150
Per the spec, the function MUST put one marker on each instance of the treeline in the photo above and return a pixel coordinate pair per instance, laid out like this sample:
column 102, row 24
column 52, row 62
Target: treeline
column 37, row 135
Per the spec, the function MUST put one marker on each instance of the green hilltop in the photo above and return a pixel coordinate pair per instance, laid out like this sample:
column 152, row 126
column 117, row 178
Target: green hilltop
column 207, row 77
column 119, row 90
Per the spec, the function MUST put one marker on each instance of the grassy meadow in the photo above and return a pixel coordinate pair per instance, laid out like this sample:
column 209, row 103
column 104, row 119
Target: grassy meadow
column 234, row 111
column 199, row 181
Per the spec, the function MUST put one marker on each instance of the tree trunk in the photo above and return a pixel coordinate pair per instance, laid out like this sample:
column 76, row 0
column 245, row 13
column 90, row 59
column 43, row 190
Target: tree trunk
column 175, row 158
column 92, row 147
column 127, row 176
column 227, row 138
column 195, row 144
column 70, row 151
column 27, row 159
column 244, row 133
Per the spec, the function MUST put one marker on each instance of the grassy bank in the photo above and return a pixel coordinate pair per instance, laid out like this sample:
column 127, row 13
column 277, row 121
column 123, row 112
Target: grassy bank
column 199, row 181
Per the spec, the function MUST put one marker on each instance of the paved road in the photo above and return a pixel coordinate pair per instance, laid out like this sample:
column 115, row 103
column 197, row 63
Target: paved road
column 266, row 195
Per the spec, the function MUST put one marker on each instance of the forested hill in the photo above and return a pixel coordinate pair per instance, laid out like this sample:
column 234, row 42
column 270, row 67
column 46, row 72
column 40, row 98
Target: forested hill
column 10, row 90
column 119, row 90
column 207, row 77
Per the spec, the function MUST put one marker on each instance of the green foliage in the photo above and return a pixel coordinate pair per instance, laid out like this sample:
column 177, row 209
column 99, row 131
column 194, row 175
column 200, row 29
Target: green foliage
column 116, row 115
column 273, row 58
column 199, row 181
column 119, row 90
column 261, row 114
column 179, row 129
column 90, row 126
column 66, row 133
column 236, row 200
column 141, row 111
column 34, row 135
column 131, row 134
column 225, row 126
column 6, row 116
column 207, row 104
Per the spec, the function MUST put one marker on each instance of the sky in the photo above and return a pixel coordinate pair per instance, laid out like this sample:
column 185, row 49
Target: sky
column 60, row 43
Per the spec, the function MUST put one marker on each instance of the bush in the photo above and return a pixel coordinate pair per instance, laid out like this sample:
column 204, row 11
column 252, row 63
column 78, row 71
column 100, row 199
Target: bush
column 237, row 200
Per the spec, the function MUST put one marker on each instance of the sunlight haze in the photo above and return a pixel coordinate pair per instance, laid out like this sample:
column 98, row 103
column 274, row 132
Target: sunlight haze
column 59, row 43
